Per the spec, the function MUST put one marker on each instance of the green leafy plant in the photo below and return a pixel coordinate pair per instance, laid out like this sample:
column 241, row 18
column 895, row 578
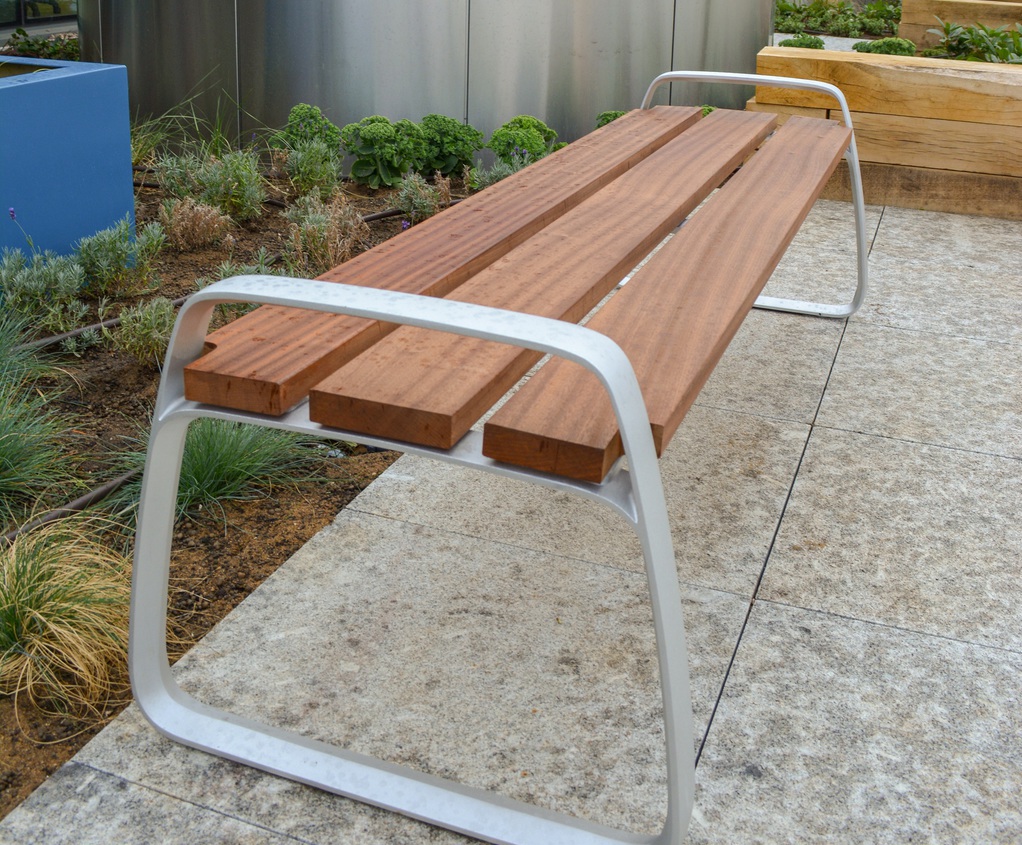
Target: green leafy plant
column 227, row 461
column 307, row 123
column 419, row 200
column 880, row 17
column 887, row 46
column 384, row 151
column 605, row 117
column 190, row 225
column 450, row 145
column 64, row 618
column 524, row 136
column 804, row 41
column 145, row 329
column 314, row 165
column 63, row 47
column 322, row 235
column 978, row 43
column 115, row 263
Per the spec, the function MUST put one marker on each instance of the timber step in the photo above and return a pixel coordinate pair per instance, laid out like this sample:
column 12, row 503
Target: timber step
column 429, row 387
column 675, row 318
column 266, row 361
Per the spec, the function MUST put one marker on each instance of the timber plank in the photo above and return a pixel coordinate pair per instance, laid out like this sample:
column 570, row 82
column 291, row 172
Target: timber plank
column 429, row 387
column 676, row 317
column 266, row 361
column 924, row 142
column 945, row 89
column 932, row 190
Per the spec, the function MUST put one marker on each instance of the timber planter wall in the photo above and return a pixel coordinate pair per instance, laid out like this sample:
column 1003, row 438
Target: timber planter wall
column 934, row 134
column 920, row 16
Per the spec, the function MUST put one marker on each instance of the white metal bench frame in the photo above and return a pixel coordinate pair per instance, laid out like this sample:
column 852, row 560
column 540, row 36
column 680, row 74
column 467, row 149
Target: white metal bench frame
column 635, row 493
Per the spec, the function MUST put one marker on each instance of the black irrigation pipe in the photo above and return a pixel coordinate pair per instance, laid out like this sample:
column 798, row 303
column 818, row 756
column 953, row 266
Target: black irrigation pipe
column 71, row 508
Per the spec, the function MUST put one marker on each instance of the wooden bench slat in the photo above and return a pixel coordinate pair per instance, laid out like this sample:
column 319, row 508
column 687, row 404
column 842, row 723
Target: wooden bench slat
column 676, row 317
column 266, row 361
column 429, row 387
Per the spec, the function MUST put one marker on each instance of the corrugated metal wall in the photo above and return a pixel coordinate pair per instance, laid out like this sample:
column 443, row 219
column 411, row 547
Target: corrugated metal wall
column 484, row 61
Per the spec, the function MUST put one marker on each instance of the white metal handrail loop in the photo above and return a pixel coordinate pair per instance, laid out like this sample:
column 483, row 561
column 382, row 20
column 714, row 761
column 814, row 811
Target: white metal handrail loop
column 793, row 306
column 470, row 811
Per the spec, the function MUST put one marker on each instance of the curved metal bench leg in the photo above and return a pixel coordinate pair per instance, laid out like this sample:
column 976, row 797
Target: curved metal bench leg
column 639, row 497
column 797, row 306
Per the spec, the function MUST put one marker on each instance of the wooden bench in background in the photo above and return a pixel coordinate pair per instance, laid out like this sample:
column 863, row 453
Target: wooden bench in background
column 409, row 345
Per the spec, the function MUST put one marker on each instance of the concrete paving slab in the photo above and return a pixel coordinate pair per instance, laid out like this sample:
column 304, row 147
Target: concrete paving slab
column 927, row 388
column 917, row 537
column 508, row 669
column 81, row 806
column 834, row 730
column 725, row 477
column 820, row 264
column 776, row 366
column 917, row 295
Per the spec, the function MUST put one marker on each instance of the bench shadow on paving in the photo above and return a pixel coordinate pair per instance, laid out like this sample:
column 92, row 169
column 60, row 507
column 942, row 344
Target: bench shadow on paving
column 859, row 479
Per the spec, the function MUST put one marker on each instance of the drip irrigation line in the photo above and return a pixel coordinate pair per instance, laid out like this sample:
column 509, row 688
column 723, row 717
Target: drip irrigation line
column 71, row 508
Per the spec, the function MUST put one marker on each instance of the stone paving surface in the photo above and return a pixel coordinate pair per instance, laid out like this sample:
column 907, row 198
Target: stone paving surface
column 844, row 499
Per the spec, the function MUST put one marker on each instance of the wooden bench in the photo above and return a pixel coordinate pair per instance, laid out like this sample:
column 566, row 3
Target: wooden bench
column 410, row 344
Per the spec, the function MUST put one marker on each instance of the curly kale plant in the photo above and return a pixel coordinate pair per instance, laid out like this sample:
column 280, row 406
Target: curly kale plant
column 383, row 151
column 307, row 123
column 523, row 136
column 450, row 145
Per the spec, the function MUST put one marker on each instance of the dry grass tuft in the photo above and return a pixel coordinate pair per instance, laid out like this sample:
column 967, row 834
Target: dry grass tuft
column 322, row 235
column 64, row 619
column 191, row 225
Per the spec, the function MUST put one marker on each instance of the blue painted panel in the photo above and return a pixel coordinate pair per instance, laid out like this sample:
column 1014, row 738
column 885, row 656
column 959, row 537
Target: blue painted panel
column 65, row 152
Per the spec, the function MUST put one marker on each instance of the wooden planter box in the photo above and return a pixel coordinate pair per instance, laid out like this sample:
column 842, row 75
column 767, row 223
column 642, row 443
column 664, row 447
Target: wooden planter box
column 919, row 16
column 935, row 134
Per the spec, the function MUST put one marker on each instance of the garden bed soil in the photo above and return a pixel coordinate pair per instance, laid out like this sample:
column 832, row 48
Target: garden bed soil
column 219, row 557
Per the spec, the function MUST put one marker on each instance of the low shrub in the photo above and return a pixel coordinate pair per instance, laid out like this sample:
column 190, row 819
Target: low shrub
column 192, row 225
column 887, row 46
column 419, row 200
column 232, row 182
column 64, row 619
column 145, row 329
column 118, row 264
column 43, row 289
column 483, row 177
column 313, row 165
column 880, row 17
column 322, row 235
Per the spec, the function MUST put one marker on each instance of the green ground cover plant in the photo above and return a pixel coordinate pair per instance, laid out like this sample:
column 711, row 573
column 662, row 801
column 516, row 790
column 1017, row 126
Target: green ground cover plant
column 880, row 17
column 804, row 41
column 887, row 46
